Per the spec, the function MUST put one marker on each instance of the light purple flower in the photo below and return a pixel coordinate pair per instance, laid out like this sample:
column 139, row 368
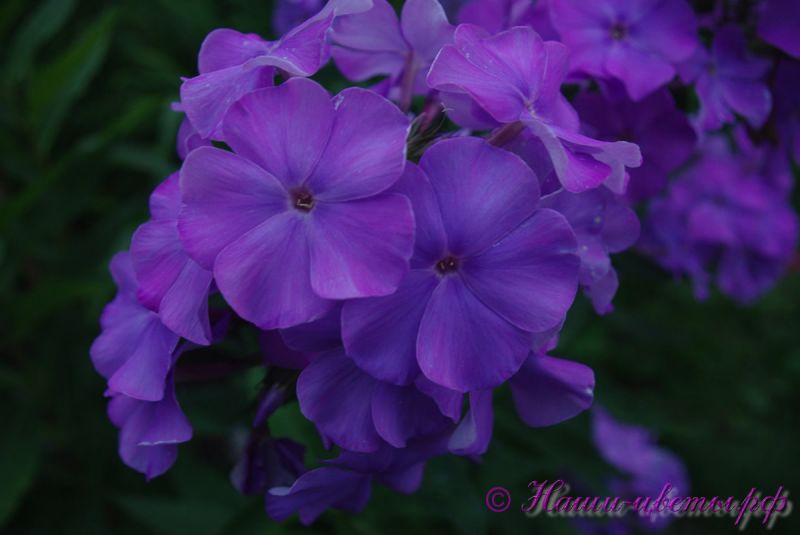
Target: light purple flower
column 376, row 43
column 715, row 215
column 603, row 225
column 296, row 216
column 290, row 13
column 549, row 390
column 489, row 270
column 647, row 467
column 662, row 132
column 134, row 351
column 149, row 430
column 231, row 64
column 497, row 15
column 638, row 42
column 728, row 81
column 169, row 282
column 346, row 482
column 514, row 76
column 360, row 413
column 267, row 462
column 778, row 22
column 787, row 106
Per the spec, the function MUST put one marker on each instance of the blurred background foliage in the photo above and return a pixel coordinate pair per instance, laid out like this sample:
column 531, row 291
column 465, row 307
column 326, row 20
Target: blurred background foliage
column 86, row 132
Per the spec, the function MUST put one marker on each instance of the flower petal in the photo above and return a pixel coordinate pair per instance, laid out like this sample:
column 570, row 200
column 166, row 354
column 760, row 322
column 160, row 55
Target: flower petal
column 484, row 192
column 264, row 275
column 283, row 129
column 224, row 196
column 474, row 433
column 401, row 413
column 360, row 248
column 380, row 333
column 529, row 278
column 337, row 396
column 465, row 346
column 366, row 152
column 549, row 390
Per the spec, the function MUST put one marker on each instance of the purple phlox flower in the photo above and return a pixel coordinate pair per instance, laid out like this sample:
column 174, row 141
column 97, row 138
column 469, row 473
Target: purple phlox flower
column 360, row 413
column 638, row 42
column 188, row 138
column 135, row 349
column 778, row 22
column 728, row 81
column 715, row 215
column 489, row 271
column 169, row 282
column 346, row 482
column 149, row 430
column 296, row 216
column 769, row 162
column 497, row 15
column 267, row 462
column 787, row 106
column 550, row 390
column 376, row 43
column 231, row 64
column 546, row 391
column 603, row 225
column 290, row 13
column 647, row 467
column 488, row 81
column 662, row 132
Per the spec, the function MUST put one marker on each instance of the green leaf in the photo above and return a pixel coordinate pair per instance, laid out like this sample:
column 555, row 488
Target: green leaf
column 39, row 27
column 60, row 83
column 172, row 516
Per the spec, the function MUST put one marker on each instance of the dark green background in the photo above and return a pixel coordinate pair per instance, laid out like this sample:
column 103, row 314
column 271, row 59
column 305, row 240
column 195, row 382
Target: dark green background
column 86, row 132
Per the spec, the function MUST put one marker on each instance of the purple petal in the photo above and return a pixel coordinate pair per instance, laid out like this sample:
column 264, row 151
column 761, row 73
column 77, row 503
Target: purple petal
column 264, row 275
column 448, row 401
column 184, row 308
column 641, row 72
column 425, row 27
column 144, row 371
column 429, row 236
column 278, row 353
column 530, row 277
column 465, row 173
column 380, row 334
column 474, row 433
column 337, row 396
column 549, row 390
column 225, row 48
column 366, row 152
column 224, row 197
column 315, row 491
column 401, row 413
column 370, row 43
column 464, row 345
column 320, row 335
column 778, row 25
column 152, row 461
column 207, row 97
column 406, row 481
column 360, row 248
column 158, row 259
column 283, row 129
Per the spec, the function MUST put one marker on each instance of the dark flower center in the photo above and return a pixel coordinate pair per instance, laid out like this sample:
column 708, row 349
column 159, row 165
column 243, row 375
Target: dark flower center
column 619, row 31
column 448, row 264
column 303, row 200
